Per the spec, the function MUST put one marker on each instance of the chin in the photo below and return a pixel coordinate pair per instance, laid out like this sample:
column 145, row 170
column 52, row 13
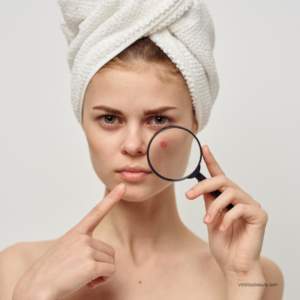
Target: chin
column 143, row 192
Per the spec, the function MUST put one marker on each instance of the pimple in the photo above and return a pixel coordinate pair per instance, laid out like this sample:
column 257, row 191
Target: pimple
column 163, row 144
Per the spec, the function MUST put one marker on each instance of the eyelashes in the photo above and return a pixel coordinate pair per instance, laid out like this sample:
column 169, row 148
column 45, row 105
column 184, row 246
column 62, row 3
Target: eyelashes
column 108, row 121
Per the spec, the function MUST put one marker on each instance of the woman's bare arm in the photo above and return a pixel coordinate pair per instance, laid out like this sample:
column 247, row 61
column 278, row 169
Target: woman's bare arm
column 13, row 264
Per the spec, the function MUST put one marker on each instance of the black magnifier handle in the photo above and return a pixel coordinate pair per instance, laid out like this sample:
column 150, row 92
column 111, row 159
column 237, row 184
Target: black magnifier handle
column 217, row 193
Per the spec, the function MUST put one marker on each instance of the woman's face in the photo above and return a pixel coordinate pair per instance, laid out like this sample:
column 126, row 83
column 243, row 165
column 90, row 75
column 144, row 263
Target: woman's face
column 121, row 112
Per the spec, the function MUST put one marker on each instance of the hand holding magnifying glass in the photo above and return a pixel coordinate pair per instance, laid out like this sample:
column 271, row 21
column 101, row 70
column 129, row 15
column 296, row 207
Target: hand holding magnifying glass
column 168, row 155
column 172, row 156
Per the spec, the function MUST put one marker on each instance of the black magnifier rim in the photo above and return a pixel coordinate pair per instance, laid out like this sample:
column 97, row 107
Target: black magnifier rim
column 165, row 128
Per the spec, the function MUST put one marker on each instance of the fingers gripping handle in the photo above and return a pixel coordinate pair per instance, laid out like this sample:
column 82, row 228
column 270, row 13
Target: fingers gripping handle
column 217, row 193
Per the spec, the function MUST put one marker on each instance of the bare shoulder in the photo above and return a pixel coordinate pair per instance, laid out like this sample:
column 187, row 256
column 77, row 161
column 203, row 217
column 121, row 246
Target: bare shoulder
column 201, row 258
column 274, row 279
column 15, row 260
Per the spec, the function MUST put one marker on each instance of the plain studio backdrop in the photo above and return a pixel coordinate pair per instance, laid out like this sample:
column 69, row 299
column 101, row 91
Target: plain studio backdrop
column 47, row 181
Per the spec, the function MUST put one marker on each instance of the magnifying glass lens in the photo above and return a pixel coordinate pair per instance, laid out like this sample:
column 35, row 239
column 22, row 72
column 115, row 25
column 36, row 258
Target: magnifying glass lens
column 174, row 153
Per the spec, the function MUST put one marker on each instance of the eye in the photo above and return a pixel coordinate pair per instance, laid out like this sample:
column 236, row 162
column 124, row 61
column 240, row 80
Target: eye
column 109, row 119
column 160, row 120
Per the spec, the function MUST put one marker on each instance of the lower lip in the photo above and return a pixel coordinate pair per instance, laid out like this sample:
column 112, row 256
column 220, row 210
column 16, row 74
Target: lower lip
column 133, row 176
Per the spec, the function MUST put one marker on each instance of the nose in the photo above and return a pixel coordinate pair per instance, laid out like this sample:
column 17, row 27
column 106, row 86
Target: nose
column 134, row 142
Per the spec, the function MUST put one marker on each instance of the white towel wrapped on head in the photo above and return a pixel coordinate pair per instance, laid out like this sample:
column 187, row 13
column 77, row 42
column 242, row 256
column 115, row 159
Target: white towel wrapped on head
column 98, row 30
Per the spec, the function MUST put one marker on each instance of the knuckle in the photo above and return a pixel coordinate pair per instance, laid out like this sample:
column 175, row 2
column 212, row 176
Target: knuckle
column 265, row 215
column 83, row 239
column 231, row 192
column 112, row 269
column 223, row 178
column 239, row 206
column 97, row 210
column 68, row 239
column 69, row 236
column 257, row 203
column 89, row 252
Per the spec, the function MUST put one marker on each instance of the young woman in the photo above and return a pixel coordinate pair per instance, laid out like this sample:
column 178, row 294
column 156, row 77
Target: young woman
column 132, row 244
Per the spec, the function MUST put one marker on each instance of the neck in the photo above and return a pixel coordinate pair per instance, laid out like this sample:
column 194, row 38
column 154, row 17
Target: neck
column 143, row 227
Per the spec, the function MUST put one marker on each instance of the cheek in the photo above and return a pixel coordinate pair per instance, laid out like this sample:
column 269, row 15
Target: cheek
column 103, row 150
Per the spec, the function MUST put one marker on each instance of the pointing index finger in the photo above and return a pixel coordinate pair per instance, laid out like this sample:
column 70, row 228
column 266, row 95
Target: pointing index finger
column 95, row 216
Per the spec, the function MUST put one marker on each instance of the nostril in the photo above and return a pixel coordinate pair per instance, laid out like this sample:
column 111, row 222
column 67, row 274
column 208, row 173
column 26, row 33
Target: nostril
column 134, row 148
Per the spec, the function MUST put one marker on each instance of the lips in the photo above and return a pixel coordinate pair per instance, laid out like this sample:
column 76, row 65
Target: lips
column 131, row 173
column 134, row 169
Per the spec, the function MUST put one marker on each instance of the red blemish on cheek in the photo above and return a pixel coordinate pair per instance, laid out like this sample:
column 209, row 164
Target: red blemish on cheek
column 163, row 144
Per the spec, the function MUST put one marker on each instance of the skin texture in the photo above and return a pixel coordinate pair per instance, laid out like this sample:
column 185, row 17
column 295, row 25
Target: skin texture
column 169, row 153
column 132, row 244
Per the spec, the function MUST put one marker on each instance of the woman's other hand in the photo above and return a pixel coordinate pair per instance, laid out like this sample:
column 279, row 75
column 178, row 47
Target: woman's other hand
column 75, row 260
column 235, row 236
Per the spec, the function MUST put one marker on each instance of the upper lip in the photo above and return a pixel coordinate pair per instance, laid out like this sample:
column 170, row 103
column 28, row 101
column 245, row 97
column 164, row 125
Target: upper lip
column 133, row 169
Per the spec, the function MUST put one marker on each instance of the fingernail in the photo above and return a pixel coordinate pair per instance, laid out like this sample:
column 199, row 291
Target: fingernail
column 190, row 192
column 222, row 227
column 206, row 218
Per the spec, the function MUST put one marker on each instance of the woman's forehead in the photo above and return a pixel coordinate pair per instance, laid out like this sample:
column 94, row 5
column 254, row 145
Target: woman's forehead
column 135, row 90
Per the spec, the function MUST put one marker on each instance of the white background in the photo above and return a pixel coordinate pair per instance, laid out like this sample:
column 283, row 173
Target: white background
column 47, row 181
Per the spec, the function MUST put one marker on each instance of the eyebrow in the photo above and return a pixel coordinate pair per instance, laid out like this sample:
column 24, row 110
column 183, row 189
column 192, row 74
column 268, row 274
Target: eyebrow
column 147, row 112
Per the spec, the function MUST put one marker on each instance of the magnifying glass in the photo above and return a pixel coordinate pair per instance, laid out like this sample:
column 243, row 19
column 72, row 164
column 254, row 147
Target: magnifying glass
column 174, row 154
